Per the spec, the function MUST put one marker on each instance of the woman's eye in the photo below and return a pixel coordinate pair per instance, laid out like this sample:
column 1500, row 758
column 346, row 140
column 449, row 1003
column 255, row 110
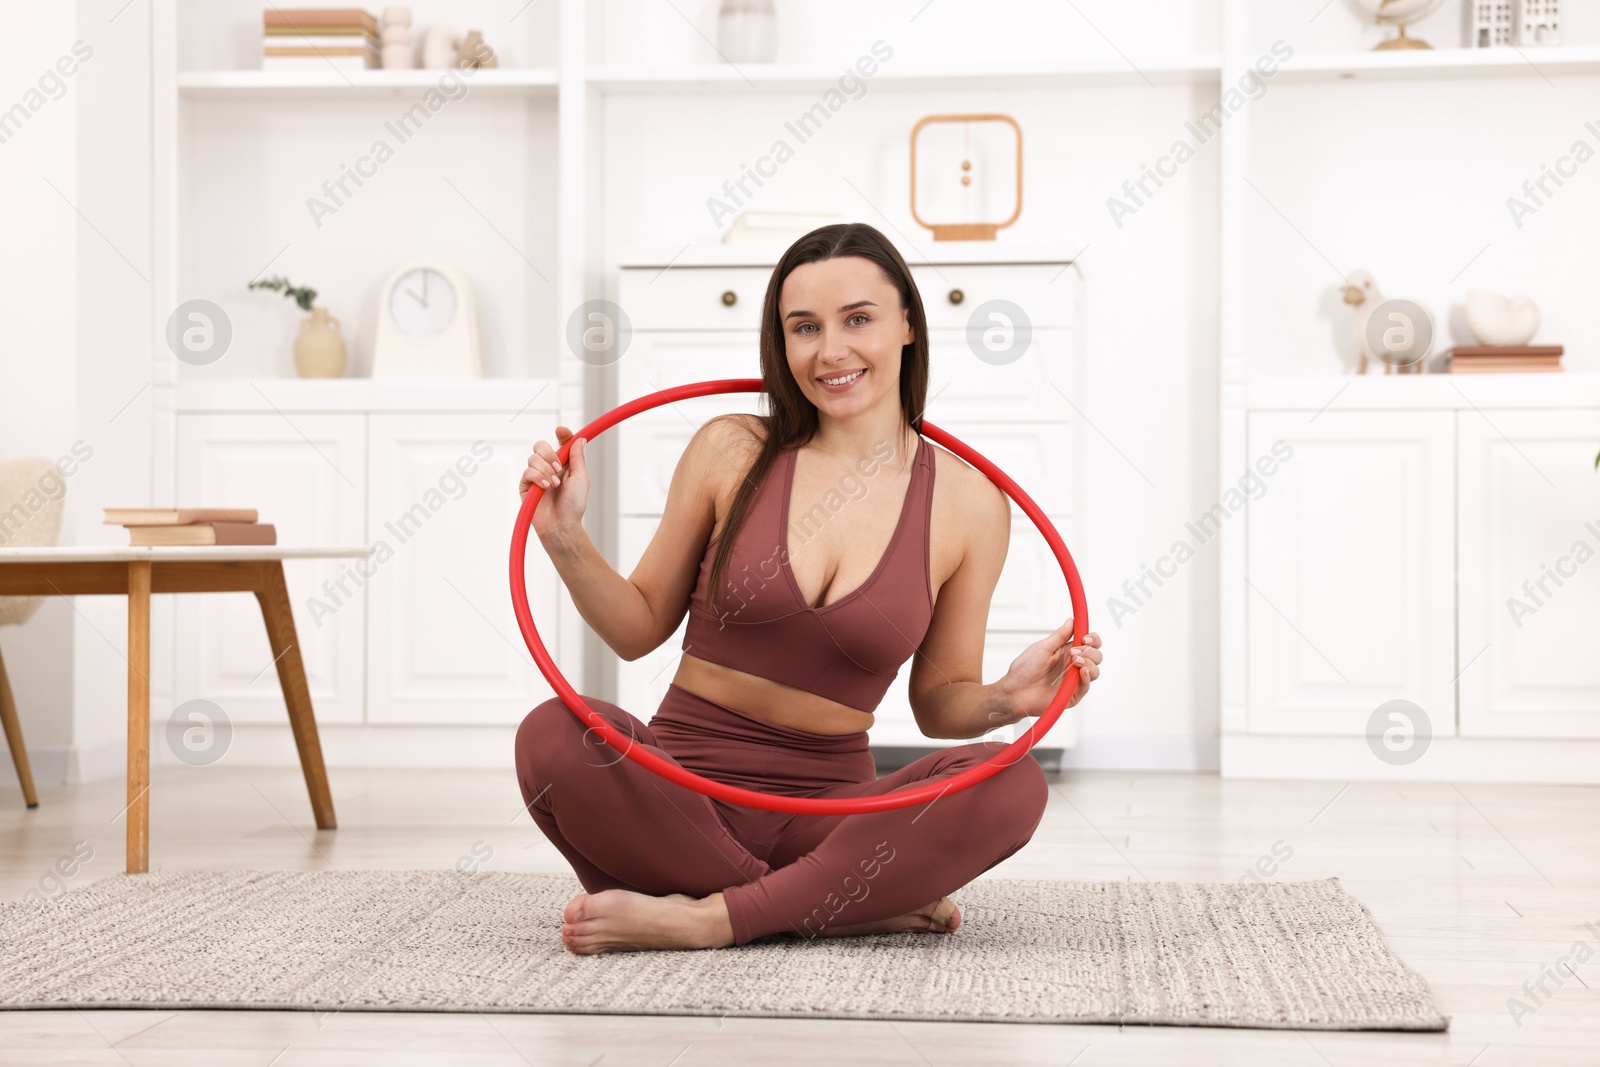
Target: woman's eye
column 802, row 327
column 858, row 315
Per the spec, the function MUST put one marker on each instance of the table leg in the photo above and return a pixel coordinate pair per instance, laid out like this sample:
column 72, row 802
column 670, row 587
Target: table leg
column 279, row 618
column 138, row 811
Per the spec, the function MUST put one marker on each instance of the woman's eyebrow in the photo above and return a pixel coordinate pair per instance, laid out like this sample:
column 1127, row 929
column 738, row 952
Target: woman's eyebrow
column 847, row 307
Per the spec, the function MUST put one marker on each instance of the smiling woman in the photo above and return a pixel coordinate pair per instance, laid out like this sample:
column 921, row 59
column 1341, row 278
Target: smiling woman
column 778, row 699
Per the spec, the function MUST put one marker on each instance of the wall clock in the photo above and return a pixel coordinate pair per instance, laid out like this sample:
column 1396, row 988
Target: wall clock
column 427, row 324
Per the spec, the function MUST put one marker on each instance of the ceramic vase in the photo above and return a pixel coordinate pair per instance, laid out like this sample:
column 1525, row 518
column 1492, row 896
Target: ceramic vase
column 747, row 31
column 319, row 350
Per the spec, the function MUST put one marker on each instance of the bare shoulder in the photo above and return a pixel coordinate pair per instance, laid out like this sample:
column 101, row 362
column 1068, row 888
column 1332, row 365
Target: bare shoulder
column 733, row 439
column 722, row 451
column 965, row 498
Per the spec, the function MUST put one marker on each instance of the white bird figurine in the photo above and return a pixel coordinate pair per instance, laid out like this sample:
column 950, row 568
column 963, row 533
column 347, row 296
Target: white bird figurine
column 1501, row 320
column 1362, row 293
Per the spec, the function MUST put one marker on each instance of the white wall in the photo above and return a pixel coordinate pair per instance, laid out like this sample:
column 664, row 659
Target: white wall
column 38, row 376
column 77, row 310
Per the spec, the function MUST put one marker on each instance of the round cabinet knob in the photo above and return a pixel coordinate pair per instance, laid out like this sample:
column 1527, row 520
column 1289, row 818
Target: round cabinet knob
column 729, row 298
column 956, row 296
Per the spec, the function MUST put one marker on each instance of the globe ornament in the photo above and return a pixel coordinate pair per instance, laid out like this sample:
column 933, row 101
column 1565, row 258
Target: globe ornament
column 1401, row 13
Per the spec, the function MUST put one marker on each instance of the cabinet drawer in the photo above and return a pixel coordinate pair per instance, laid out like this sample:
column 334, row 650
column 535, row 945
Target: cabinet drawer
column 1033, row 387
column 695, row 298
column 658, row 361
column 692, row 298
column 1042, row 290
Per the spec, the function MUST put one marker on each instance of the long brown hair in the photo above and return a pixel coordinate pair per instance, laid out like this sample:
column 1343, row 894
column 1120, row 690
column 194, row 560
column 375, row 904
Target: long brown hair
column 791, row 417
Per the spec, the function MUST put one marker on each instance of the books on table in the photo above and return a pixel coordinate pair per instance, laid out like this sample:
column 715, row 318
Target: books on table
column 192, row 526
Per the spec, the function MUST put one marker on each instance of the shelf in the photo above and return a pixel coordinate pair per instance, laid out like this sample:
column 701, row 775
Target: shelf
column 1197, row 68
column 1441, row 63
column 369, row 394
column 1368, row 392
column 533, row 81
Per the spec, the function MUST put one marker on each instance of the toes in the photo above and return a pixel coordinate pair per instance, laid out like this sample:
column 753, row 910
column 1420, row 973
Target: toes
column 575, row 910
column 946, row 916
column 576, row 941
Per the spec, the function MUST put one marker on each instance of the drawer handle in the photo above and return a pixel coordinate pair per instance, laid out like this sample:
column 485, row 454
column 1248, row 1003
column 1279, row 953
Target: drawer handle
column 956, row 296
column 729, row 298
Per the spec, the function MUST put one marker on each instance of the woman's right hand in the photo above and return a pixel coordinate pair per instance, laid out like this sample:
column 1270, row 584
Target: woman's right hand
column 566, row 489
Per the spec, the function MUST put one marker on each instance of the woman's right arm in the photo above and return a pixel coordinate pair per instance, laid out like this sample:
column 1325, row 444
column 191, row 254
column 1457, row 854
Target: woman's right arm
column 634, row 615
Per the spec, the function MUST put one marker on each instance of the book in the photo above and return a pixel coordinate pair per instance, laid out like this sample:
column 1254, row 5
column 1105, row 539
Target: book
column 1505, row 359
column 1506, row 351
column 292, row 17
column 205, row 533
column 275, row 33
column 177, row 516
column 272, row 45
column 331, row 52
column 320, row 62
column 1521, row 367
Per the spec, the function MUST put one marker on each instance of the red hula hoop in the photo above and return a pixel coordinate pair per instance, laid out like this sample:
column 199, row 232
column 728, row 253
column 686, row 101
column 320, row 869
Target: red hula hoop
column 748, row 798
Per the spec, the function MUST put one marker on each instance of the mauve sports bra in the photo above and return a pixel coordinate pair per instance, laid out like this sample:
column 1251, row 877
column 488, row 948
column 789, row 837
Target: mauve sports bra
column 847, row 651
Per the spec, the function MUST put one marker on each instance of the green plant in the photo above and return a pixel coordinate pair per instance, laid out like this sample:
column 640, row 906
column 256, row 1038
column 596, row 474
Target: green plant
column 302, row 296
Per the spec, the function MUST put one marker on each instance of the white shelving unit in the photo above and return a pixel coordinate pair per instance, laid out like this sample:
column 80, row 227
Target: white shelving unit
column 578, row 78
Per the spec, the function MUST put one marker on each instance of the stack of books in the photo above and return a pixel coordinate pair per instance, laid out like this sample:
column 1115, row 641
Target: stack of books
column 1505, row 359
column 192, row 526
column 313, row 38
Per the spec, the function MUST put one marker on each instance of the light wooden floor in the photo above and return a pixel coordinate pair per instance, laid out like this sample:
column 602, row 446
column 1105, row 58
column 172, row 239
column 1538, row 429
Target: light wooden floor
column 1477, row 887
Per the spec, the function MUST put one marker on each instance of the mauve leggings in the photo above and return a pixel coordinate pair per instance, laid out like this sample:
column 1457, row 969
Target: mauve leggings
column 624, row 827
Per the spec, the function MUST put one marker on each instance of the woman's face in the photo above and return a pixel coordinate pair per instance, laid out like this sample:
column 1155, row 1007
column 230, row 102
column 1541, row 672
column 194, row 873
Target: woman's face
column 841, row 318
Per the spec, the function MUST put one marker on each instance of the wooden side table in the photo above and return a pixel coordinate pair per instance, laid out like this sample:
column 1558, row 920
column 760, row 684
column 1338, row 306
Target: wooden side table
column 139, row 572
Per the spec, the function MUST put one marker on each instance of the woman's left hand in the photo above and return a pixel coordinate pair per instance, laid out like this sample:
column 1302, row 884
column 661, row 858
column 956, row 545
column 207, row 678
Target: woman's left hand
column 1036, row 674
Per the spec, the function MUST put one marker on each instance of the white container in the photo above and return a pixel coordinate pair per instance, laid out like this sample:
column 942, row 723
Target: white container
column 747, row 31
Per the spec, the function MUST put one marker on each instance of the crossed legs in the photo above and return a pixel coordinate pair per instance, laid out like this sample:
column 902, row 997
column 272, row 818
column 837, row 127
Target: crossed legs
column 622, row 827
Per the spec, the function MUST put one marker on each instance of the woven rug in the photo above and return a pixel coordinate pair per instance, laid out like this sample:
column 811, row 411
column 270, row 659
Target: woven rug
column 1289, row 954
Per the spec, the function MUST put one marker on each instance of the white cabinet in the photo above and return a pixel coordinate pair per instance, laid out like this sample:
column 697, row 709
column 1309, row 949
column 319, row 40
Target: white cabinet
column 1530, row 574
column 307, row 475
column 1351, row 570
column 421, row 633
column 694, row 324
column 444, row 643
column 1434, row 540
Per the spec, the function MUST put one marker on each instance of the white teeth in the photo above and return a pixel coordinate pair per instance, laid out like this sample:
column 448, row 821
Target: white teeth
column 846, row 378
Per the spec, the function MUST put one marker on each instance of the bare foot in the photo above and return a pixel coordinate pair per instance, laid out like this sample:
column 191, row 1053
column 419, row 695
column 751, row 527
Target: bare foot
column 617, row 920
column 940, row 917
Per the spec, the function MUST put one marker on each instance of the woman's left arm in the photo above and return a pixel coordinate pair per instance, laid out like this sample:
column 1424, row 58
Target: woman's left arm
column 947, row 693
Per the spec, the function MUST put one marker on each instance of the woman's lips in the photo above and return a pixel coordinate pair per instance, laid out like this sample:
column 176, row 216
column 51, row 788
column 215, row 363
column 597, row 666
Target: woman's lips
column 847, row 385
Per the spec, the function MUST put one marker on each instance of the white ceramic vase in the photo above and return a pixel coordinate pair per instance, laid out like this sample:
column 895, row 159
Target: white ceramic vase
column 747, row 31
column 1501, row 320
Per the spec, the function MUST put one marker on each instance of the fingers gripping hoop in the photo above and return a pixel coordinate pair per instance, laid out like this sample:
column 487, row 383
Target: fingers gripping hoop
column 748, row 798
